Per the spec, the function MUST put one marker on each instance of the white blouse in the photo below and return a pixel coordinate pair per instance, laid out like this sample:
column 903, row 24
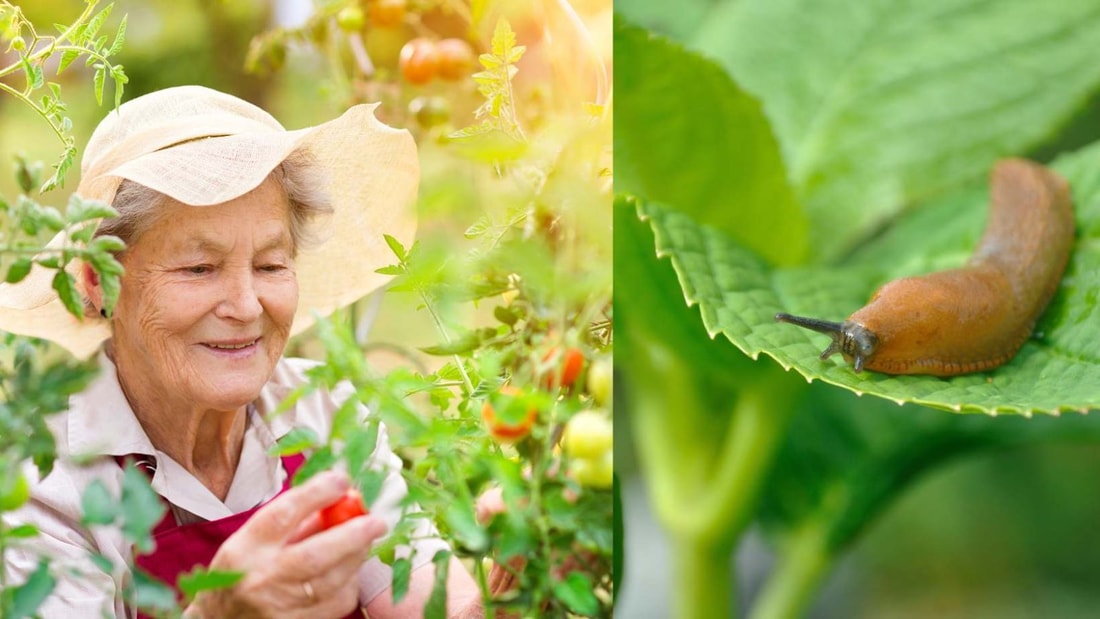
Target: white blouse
column 100, row 425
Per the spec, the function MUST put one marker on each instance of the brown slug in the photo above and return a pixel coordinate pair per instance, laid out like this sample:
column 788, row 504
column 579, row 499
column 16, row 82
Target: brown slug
column 977, row 317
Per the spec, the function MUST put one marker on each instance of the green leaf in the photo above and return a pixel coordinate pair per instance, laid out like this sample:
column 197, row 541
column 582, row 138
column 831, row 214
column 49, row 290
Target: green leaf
column 688, row 137
column 80, row 210
column 576, row 593
column 466, row 342
column 120, row 38
column 464, row 527
column 97, row 80
column 738, row 296
column 65, row 286
column 436, row 607
column 878, row 104
column 67, row 58
column 396, row 247
column 201, row 579
column 393, row 269
column 29, row 596
column 23, row 531
column 19, row 270
column 402, row 570
column 148, row 593
column 141, row 509
column 97, row 505
column 296, row 441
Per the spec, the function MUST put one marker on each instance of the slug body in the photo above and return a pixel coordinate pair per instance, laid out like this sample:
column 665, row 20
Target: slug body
column 977, row 317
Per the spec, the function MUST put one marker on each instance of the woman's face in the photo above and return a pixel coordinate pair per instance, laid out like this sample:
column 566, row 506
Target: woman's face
column 207, row 301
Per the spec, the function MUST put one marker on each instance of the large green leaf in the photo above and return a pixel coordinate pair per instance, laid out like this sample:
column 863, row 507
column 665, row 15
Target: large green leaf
column 738, row 296
column 687, row 136
column 883, row 102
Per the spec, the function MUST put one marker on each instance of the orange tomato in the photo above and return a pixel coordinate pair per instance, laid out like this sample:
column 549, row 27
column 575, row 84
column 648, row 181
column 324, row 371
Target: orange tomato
column 567, row 369
column 386, row 13
column 345, row 508
column 419, row 61
column 508, row 431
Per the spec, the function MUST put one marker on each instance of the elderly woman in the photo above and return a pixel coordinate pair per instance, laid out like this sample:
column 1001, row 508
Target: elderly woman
column 237, row 231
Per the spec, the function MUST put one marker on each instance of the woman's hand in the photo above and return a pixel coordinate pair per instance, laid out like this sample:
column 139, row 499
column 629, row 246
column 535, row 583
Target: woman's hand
column 293, row 568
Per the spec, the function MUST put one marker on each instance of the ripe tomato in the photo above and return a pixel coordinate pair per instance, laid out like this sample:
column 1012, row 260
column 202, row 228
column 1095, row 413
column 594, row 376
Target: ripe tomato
column 568, row 367
column 419, row 61
column 351, row 19
column 456, row 59
column 345, row 508
column 386, row 13
column 588, row 434
column 14, row 492
column 513, row 422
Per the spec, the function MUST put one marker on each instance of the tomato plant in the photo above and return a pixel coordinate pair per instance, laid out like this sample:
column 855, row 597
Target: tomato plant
column 347, row 507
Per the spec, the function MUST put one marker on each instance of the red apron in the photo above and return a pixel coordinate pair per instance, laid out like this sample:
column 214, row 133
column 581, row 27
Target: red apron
column 179, row 548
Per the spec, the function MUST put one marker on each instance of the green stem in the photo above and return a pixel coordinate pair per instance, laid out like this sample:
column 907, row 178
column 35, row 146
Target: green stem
column 803, row 564
column 704, row 496
column 702, row 579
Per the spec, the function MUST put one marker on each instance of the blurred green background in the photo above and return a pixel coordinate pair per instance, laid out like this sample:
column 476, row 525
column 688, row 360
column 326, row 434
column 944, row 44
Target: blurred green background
column 1001, row 534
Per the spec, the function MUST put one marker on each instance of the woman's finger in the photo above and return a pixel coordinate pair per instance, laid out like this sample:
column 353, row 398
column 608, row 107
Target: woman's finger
column 347, row 543
column 280, row 519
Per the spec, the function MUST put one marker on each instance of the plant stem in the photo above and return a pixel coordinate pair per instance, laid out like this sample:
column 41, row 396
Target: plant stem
column 803, row 564
column 702, row 579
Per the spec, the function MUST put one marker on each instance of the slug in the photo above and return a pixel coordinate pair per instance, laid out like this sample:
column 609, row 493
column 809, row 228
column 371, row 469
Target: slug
column 977, row 317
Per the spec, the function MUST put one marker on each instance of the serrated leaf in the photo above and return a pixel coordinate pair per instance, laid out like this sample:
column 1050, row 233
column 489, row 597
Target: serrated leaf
column 100, row 76
column 81, row 210
column 67, row 58
column 120, row 38
column 688, row 137
column 878, row 105
column 738, row 296
column 65, row 286
column 479, row 227
column 97, row 22
column 396, row 247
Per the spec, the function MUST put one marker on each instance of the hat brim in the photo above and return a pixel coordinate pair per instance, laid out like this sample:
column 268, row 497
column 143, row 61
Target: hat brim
column 372, row 176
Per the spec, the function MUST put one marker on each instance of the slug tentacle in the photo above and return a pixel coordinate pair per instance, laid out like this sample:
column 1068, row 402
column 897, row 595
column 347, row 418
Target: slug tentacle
column 851, row 339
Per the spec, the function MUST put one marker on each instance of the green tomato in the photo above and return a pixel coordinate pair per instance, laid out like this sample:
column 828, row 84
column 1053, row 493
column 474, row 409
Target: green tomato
column 351, row 19
column 594, row 472
column 600, row 381
column 14, row 492
column 588, row 434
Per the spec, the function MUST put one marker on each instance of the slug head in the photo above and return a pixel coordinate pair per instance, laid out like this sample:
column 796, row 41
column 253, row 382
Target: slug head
column 851, row 339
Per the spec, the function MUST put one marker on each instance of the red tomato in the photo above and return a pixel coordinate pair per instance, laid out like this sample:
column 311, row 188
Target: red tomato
column 345, row 508
column 419, row 61
column 456, row 59
column 567, row 369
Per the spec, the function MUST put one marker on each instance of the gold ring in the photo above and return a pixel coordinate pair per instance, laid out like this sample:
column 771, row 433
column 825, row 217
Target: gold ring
column 308, row 588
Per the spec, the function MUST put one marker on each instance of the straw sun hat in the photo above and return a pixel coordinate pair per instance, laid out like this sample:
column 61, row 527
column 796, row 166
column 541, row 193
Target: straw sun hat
column 203, row 147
